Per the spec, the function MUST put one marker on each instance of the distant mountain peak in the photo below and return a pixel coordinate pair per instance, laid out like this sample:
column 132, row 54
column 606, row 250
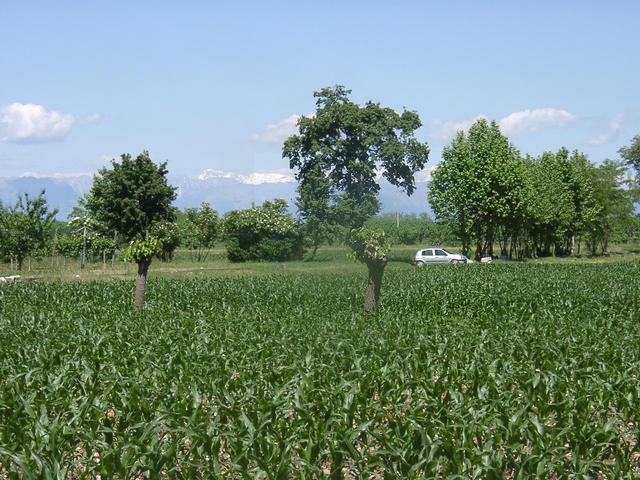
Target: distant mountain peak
column 224, row 191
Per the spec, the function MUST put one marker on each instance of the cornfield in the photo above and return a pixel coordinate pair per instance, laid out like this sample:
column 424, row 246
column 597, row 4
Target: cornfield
column 479, row 371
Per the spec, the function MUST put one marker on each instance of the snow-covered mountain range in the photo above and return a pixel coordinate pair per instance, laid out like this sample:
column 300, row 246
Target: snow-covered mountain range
column 223, row 190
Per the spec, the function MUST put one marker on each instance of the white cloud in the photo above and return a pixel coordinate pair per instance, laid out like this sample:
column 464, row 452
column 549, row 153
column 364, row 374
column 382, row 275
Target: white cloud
column 92, row 119
column 279, row 132
column 30, row 123
column 528, row 121
column 615, row 129
column 446, row 131
column 424, row 175
column 257, row 178
column 514, row 124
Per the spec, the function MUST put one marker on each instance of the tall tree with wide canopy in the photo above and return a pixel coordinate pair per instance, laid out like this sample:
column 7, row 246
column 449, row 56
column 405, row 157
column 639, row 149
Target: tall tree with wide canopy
column 130, row 198
column 339, row 152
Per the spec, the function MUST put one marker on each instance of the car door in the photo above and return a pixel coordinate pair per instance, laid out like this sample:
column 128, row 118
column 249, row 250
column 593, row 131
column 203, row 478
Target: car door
column 428, row 256
column 440, row 256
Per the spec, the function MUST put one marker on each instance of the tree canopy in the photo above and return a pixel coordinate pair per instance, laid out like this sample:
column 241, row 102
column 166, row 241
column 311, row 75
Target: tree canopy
column 131, row 196
column 341, row 150
column 24, row 227
column 476, row 186
column 631, row 154
column 264, row 233
column 201, row 229
column 530, row 206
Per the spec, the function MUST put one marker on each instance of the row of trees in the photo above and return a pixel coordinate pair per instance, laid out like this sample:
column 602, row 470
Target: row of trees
column 484, row 192
column 25, row 226
column 337, row 153
column 553, row 204
column 412, row 229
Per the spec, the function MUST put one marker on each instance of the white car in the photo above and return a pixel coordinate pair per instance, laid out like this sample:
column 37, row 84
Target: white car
column 437, row 255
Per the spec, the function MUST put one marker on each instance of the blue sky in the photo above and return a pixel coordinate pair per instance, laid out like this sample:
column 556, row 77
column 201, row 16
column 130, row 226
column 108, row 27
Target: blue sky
column 213, row 86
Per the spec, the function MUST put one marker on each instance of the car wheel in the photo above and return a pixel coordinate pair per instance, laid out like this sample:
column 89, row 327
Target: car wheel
column 454, row 261
column 419, row 264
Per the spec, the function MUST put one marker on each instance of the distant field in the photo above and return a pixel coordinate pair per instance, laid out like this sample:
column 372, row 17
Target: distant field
column 329, row 259
column 476, row 371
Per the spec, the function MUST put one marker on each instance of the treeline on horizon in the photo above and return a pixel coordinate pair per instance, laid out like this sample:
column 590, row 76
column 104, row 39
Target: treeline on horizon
column 555, row 204
column 485, row 195
column 197, row 230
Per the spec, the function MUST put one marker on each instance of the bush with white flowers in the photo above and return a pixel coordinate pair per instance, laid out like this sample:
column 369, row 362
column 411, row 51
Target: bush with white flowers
column 262, row 233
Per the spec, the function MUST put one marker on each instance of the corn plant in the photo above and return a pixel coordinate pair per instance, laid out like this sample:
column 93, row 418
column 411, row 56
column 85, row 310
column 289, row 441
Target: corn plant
column 498, row 371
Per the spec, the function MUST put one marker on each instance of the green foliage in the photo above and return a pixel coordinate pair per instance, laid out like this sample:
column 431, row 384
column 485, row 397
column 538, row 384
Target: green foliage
column 530, row 206
column 614, row 219
column 477, row 187
column 261, row 233
column 338, row 152
column 131, row 196
column 24, row 228
column 277, row 204
column 501, row 371
column 98, row 238
column 168, row 234
column 70, row 245
column 200, row 229
column 368, row 244
column 631, row 154
column 410, row 229
column 143, row 250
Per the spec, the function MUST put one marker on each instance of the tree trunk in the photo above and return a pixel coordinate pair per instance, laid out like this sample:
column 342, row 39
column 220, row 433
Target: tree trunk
column 19, row 262
column 376, row 269
column 316, row 243
column 141, row 282
column 479, row 250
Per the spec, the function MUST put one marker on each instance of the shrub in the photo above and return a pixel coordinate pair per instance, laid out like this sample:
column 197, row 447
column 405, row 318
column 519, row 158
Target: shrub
column 261, row 233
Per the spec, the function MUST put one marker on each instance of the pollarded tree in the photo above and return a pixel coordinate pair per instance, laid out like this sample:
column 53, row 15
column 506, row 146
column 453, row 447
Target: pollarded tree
column 339, row 152
column 25, row 227
column 130, row 198
column 370, row 246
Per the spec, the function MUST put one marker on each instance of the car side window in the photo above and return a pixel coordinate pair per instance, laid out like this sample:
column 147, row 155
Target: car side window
column 441, row 253
column 427, row 253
